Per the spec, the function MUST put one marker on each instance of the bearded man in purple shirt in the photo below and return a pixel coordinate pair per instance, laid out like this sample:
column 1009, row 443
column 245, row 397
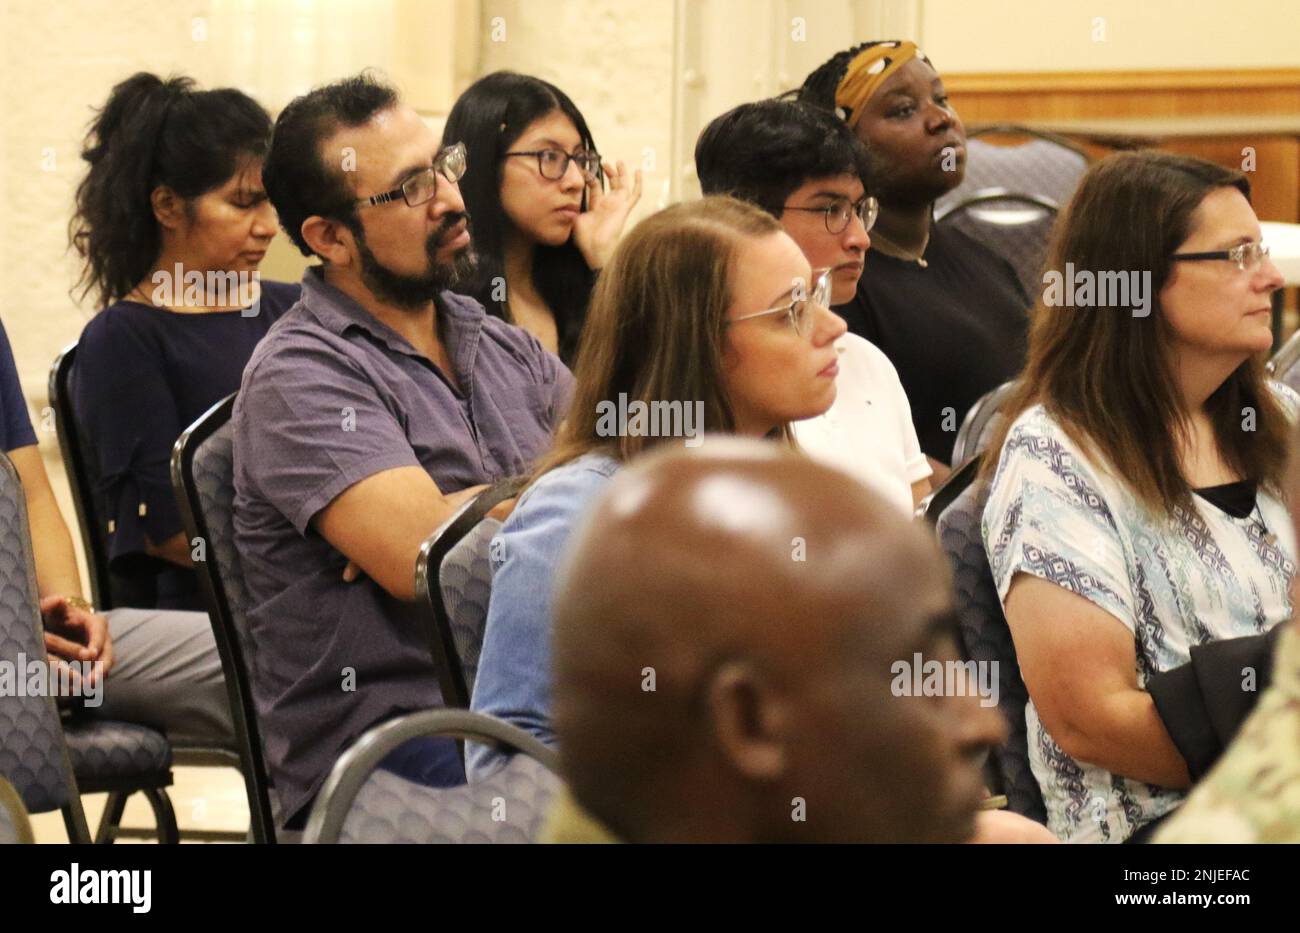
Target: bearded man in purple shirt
column 371, row 410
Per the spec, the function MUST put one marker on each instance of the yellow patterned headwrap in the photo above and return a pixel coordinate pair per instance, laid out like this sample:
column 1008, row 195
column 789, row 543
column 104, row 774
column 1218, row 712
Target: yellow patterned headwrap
column 869, row 69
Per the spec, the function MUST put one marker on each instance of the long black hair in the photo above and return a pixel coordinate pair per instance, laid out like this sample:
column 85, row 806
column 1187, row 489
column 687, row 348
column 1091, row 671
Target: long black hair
column 153, row 132
column 488, row 118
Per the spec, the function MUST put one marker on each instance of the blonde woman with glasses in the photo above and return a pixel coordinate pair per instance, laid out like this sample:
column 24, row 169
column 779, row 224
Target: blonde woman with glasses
column 707, row 306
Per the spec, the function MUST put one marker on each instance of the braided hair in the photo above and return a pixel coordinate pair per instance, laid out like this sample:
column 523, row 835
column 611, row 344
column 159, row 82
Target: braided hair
column 819, row 87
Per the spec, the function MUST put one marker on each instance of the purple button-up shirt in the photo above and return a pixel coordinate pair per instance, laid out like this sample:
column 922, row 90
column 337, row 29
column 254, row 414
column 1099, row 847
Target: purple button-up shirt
column 330, row 397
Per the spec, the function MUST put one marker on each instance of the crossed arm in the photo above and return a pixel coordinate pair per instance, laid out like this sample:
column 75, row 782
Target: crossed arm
column 1079, row 665
column 380, row 522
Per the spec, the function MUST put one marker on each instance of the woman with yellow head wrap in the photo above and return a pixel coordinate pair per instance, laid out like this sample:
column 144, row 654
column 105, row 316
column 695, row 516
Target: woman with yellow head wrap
column 948, row 312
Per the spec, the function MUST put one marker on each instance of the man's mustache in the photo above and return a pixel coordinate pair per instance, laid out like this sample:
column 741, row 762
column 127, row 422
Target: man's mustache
column 449, row 222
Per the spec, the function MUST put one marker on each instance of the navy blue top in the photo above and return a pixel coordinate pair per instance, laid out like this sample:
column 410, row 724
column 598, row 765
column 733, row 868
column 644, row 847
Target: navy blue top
column 15, row 423
column 143, row 375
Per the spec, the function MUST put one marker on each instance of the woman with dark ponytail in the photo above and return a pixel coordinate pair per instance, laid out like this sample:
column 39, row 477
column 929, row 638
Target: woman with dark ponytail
column 171, row 223
column 543, row 223
column 948, row 312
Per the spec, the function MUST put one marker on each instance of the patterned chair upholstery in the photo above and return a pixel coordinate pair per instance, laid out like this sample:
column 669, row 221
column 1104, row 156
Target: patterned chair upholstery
column 987, row 638
column 50, row 766
column 107, row 752
column 359, row 803
column 508, row 807
column 1015, row 225
column 453, row 581
column 1038, row 166
column 1044, row 167
column 465, row 579
column 33, row 757
column 203, row 470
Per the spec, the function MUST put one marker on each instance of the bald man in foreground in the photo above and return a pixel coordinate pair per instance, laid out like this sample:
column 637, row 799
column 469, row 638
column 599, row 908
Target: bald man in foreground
column 725, row 628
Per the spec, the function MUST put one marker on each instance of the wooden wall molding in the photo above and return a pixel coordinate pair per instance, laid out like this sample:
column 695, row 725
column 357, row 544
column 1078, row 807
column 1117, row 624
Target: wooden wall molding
column 1040, row 82
column 1155, row 102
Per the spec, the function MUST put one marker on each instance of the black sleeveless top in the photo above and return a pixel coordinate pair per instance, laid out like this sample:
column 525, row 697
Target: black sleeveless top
column 1236, row 499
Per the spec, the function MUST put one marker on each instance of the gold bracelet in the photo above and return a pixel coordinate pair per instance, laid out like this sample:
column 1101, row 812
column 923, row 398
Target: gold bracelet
column 76, row 602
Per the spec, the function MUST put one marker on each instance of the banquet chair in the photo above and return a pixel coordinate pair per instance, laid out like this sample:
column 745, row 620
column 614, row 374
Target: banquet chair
column 49, row 764
column 1015, row 225
column 985, row 639
column 359, row 804
column 109, row 590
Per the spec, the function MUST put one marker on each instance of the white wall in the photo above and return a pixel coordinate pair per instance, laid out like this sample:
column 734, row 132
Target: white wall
column 612, row 57
column 1110, row 35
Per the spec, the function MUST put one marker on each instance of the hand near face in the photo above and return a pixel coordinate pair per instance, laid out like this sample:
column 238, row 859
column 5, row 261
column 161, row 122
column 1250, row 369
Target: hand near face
column 73, row 634
column 596, row 231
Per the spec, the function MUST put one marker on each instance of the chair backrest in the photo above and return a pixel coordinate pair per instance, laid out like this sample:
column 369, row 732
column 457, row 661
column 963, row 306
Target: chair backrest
column 359, row 804
column 465, row 583
column 981, row 423
column 33, row 755
column 454, row 611
column 987, row 638
column 1285, row 364
column 1015, row 225
column 953, row 485
column 76, row 451
column 108, row 590
column 1040, row 163
column 510, row 806
column 203, row 471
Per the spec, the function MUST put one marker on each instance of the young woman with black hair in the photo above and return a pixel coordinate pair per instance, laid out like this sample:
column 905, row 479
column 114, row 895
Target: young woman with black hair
column 543, row 222
column 948, row 312
column 171, row 223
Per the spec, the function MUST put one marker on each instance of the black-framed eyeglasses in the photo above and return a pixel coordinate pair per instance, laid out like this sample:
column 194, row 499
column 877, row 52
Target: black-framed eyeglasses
column 553, row 163
column 838, row 212
column 1247, row 256
column 451, row 163
column 797, row 310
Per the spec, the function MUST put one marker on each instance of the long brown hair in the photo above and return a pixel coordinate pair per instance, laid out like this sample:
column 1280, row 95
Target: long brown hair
column 1107, row 375
column 655, row 330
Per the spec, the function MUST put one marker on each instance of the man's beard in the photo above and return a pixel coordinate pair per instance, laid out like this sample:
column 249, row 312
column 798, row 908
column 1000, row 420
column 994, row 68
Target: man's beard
column 415, row 291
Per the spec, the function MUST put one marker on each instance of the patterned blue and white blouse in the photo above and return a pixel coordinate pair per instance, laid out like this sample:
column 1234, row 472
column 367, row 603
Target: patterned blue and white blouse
column 1174, row 582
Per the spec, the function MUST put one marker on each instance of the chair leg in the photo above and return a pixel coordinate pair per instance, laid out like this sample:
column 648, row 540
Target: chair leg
column 164, row 815
column 108, row 823
column 75, row 824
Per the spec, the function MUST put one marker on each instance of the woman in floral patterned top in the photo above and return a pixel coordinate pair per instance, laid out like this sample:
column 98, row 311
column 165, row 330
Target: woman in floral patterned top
column 1134, row 509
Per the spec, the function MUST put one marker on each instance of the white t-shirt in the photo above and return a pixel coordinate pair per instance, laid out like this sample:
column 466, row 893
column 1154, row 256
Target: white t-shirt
column 868, row 432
